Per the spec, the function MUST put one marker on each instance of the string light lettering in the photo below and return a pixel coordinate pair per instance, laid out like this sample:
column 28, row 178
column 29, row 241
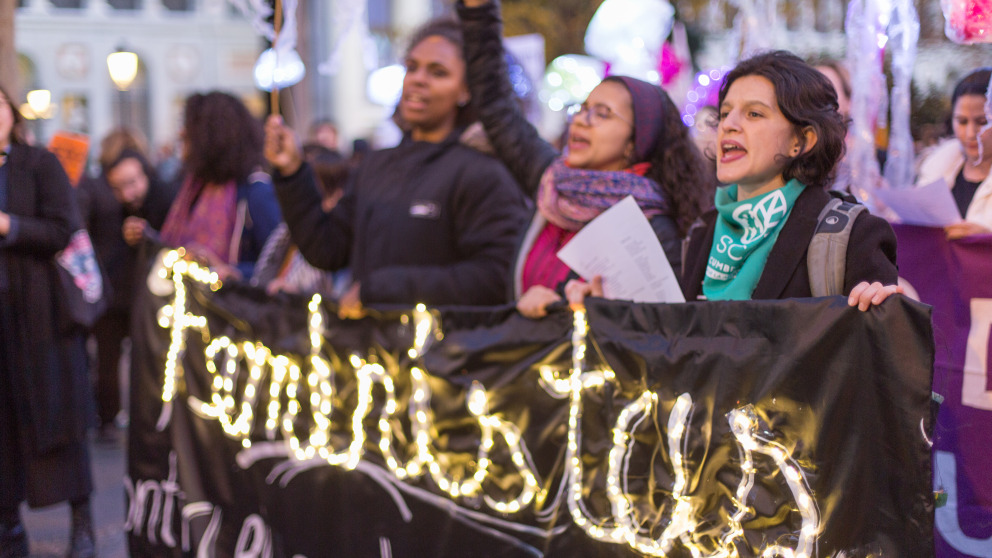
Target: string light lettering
column 244, row 372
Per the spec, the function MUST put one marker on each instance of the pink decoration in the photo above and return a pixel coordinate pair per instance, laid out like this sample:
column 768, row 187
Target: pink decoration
column 968, row 21
column 669, row 64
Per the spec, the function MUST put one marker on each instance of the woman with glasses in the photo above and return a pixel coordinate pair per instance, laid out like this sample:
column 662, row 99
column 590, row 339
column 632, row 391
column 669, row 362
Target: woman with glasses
column 626, row 139
column 778, row 142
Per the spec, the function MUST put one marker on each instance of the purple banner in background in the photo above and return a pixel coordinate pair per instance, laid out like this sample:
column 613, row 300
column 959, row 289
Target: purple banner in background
column 955, row 277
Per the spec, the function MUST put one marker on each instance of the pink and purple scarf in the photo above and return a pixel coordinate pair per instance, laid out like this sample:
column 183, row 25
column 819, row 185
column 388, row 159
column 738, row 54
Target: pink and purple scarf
column 570, row 198
column 203, row 217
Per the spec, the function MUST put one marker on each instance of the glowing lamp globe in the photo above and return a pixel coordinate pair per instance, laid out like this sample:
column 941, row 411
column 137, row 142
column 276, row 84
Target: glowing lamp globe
column 123, row 68
column 385, row 85
column 40, row 101
column 278, row 69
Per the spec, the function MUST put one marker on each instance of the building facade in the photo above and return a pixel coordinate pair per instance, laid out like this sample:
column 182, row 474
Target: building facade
column 182, row 46
column 187, row 46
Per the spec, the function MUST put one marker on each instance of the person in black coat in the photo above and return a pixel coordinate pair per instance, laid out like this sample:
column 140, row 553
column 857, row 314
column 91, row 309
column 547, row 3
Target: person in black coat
column 136, row 209
column 431, row 221
column 626, row 138
column 43, row 376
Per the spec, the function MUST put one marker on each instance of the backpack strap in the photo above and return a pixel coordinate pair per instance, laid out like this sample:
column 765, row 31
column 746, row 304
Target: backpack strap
column 827, row 254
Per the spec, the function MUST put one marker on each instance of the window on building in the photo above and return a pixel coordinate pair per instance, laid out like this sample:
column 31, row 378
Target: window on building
column 75, row 114
column 131, row 108
column 22, row 3
column 179, row 5
column 125, row 4
column 68, row 3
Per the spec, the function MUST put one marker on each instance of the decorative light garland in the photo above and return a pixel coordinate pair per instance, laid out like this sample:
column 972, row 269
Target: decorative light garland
column 174, row 316
column 681, row 523
column 705, row 92
column 285, row 378
column 743, row 423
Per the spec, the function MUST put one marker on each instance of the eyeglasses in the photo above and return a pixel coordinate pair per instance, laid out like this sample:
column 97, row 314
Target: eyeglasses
column 595, row 114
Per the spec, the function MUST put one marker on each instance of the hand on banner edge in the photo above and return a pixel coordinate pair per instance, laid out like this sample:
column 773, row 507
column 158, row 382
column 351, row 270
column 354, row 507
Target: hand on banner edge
column 965, row 228
column 865, row 295
column 534, row 303
column 577, row 290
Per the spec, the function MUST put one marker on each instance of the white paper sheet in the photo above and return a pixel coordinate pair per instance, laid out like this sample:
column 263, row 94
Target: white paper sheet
column 931, row 205
column 621, row 246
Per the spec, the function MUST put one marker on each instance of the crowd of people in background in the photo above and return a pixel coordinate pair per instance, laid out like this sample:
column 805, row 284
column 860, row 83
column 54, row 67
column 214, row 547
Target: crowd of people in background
column 434, row 220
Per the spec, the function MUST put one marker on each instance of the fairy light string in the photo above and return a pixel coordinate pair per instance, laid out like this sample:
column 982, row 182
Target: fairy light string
column 296, row 394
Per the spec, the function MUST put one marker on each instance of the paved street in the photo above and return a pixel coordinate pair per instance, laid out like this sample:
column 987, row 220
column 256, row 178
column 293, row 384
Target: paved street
column 48, row 528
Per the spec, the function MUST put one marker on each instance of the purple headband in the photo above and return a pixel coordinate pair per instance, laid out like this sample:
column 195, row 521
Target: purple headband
column 648, row 102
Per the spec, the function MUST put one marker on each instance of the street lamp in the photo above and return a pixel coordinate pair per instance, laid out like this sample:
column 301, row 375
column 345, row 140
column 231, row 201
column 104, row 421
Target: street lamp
column 39, row 104
column 123, row 66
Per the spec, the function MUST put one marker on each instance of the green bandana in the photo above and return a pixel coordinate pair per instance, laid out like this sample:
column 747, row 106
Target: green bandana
column 744, row 235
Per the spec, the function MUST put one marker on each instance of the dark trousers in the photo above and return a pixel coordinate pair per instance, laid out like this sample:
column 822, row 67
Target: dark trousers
column 59, row 475
column 109, row 331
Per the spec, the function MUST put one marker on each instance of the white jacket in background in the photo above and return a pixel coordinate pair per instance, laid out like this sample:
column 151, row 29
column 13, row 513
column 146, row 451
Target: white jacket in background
column 945, row 161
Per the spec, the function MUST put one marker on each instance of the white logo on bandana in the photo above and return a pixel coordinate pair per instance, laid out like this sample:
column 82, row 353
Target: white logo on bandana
column 757, row 220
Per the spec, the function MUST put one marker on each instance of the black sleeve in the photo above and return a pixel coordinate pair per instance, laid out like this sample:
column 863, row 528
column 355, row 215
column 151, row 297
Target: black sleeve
column 324, row 239
column 695, row 253
column 667, row 231
column 487, row 212
column 48, row 231
column 84, row 201
column 160, row 197
column 871, row 253
column 514, row 139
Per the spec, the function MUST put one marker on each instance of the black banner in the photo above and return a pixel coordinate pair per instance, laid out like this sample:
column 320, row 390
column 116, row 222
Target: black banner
column 267, row 427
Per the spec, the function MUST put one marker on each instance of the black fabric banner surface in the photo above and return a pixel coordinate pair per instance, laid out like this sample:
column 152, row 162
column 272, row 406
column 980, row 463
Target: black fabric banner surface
column 267, row 427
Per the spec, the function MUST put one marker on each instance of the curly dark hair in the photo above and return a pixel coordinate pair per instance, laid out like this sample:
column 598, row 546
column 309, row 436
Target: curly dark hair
column 686, row 177
column 17, row 130
column 450, row 30
column 223, row 140
column 806, row 99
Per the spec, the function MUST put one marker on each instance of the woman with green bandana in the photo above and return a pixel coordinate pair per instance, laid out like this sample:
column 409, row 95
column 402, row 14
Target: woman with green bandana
column 779, row 140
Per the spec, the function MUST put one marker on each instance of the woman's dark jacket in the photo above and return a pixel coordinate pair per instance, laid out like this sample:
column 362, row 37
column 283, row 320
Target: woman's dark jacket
column 421, row 222
column 515, row 141
column 871, row 252
column 46, row 360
